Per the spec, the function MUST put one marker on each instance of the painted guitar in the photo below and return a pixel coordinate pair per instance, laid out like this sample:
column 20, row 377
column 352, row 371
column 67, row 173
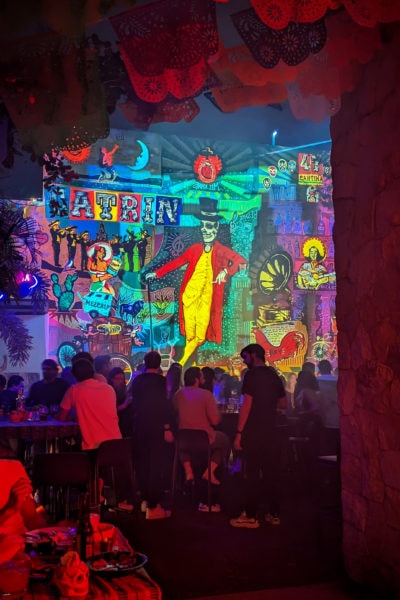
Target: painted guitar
column 313, row 281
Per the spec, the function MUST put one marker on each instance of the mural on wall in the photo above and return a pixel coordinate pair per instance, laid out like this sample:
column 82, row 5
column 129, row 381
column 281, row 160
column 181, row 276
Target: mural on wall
column 191, row 247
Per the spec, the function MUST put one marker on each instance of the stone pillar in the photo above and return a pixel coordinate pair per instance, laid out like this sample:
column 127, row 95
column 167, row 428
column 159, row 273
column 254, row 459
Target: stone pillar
column 366, row 184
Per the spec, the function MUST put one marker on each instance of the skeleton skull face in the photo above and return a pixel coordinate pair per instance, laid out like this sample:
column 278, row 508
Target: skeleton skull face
column 209, row 230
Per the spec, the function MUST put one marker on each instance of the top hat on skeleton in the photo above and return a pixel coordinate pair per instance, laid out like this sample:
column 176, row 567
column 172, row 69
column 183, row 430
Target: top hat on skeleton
column 207, row 210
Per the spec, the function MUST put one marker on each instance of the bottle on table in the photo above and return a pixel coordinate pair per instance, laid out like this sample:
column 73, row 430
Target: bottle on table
column 20, row 402
column 84, row 529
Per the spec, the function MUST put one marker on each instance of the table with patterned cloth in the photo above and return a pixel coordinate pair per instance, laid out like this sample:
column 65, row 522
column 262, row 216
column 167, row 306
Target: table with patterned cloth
column 139, row 586
column 135, row 586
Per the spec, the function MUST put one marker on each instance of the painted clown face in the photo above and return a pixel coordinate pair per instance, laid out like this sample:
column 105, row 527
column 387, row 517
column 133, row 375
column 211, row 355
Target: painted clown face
column 209, row 231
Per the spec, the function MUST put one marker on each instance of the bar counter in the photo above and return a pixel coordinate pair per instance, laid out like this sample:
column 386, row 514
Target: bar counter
column 38, row 430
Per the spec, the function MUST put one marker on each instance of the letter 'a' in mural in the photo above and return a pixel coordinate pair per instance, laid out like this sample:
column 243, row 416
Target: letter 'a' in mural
column 194, row 248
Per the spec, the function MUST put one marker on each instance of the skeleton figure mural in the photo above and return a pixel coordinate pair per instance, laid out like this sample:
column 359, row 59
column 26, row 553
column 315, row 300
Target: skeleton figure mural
column 202, row 290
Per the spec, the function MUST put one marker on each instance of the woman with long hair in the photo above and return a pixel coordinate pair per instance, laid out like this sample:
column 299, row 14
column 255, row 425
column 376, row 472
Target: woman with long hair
column 116, row 378
column 209, row 376
column 173, row 380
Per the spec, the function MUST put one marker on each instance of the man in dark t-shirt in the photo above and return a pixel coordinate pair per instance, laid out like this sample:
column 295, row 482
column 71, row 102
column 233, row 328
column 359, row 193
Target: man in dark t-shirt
column 262, row 391
column 50, row 390
column 152, row 424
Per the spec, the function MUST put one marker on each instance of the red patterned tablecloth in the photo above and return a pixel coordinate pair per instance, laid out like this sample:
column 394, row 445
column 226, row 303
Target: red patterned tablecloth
column 38, row 430
column 137, row 586
column 130, row 587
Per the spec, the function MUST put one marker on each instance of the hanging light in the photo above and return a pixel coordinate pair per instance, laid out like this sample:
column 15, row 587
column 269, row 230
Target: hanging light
column 26, row 283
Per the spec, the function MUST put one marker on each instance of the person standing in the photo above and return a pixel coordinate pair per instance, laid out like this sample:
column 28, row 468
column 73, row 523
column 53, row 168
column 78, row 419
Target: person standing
column 95, row 405
column 116, row 378
column 102, row 367
column 152, row 431
column 262, row 392
column 173, row 379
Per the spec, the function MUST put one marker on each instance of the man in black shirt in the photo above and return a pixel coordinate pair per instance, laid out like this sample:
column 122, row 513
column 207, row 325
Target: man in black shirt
column 152, row 421
column 262, row 391
column 50, row 390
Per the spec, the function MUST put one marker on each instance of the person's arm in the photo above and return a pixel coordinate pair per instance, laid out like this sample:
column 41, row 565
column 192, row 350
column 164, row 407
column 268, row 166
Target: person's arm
column 66, row 405
column 213, row 414
column 30, row 399
column 242, row 420
column 169, row 423
column 127, row 402
column 62, row 414
column 22, row 500
column 34, row 517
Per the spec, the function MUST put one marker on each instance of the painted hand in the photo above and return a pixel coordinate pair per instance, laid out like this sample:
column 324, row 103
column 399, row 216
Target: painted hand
column 221, row 277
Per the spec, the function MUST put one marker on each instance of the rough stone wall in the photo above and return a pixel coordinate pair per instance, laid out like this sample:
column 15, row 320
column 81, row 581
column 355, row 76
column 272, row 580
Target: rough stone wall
column 366, row 183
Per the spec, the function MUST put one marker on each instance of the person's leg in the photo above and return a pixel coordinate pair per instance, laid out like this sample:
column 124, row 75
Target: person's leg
column 142, row 468
column 250, row 492
column 156, row 480
column 156, row 472
column 251, row 483
column 270, row 467
column 219, row 447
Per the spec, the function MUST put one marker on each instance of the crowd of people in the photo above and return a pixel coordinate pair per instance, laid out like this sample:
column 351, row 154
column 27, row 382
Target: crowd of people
column 155, row 405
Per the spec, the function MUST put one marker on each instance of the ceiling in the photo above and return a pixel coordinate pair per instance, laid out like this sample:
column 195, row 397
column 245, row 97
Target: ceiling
column 41, row 108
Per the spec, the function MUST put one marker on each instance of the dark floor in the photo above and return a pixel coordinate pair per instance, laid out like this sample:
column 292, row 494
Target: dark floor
column 193, row 554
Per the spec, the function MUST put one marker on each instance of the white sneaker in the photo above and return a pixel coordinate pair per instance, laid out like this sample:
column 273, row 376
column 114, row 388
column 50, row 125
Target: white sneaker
column 215, row 508
column 157, row 513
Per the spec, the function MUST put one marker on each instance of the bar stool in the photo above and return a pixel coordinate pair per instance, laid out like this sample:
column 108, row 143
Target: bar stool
column 57, row 476
column 114, row 465
column 195, row 443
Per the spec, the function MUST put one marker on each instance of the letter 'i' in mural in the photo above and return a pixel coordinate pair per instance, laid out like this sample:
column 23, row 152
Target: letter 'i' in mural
column 194, row 248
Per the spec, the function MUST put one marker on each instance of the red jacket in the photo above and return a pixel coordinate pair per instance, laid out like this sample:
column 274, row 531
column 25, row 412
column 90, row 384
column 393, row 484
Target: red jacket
column 222, row 258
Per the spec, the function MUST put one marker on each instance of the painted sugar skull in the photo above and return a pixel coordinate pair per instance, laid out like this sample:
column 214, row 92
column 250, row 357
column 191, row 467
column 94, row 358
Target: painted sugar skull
column 209, row 231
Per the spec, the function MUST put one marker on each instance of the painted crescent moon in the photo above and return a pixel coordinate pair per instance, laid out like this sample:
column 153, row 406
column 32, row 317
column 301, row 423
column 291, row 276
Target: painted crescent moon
column 143, row 157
